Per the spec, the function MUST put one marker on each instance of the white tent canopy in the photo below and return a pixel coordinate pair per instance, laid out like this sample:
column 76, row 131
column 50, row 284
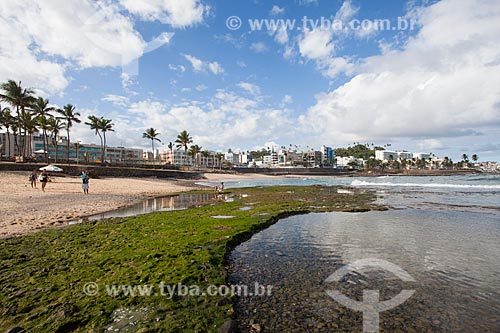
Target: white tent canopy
column 40, row 151
column 51, row 168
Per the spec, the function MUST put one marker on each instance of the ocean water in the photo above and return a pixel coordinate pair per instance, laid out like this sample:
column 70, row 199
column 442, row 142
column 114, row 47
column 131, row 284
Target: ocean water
column 469, row 193
column 443, row 231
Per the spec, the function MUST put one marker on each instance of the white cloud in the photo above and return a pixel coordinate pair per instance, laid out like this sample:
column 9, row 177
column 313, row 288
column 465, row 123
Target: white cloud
column 178, row 14
column 287, row 99
column 201, row 87
column 307, row 2
column 346, row 12
column 289, row 52
column 215, row 68
column 116, row 100
column 200, row 65
column 258, row 47
column 250, row 88
column 177, row 68
column 316, row 44
column 430, row 144
column 276, row 10
column 197, row 64
column 443, row 82
column 241, row 64
column 40, row 39
column 333, row 66
column 226, row 119
column 281, row 36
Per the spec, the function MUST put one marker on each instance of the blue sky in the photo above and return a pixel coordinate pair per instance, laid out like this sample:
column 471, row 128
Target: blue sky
column 433, row 88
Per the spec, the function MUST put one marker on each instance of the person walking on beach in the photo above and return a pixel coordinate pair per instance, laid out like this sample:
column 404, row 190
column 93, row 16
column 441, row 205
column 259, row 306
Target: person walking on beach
column 32, row 179
column 85, row 182
column 44, row 178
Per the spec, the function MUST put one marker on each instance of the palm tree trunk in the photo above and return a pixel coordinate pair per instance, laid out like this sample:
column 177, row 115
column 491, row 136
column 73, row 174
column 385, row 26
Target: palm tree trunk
column 104, row 146
column 67, row 153
column 153, row 149
column 55, row 147
column 44, row 146
column 16, row 143
column 8, row 139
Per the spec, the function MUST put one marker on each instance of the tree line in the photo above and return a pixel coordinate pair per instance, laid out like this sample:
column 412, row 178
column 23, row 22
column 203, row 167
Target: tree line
column 28, row 114
column 182, row 142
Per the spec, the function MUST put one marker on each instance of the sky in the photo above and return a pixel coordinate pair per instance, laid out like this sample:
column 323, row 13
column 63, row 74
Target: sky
column 429, row 84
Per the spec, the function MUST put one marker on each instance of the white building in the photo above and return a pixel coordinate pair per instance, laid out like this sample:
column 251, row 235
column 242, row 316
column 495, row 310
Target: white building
column 344, row 161
column 327, row 155
column 385, row 155
column 404, row 155
column 176, row 157
column 421, row 156
column 233, row 158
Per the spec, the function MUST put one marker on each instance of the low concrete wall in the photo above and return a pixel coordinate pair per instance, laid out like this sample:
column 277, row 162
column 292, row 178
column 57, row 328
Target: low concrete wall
column 99, row 171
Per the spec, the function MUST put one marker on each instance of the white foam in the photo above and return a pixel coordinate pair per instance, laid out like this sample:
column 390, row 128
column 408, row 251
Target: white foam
column 438, row 185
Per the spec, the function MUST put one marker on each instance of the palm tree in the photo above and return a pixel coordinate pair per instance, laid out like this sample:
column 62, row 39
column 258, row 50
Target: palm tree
column 105, row 125
column 19, row 98
column 206, row 155
column 41, row 108
column 6, row 121
column 475, row 158
column 69, row 115
column 194, row 150
column 55, row 128
column 171, row 148
column 44, row 125
column 465, row 158
column 183, row 140
column 94, row 123
column 219, row 157
column 152, row 135
column 30, row 127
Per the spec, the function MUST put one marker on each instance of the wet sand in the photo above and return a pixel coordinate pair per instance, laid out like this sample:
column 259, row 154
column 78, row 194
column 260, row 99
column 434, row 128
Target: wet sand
column 24, row 209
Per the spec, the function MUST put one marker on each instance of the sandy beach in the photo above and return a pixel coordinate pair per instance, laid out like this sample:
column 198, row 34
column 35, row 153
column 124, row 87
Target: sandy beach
column 24, row 209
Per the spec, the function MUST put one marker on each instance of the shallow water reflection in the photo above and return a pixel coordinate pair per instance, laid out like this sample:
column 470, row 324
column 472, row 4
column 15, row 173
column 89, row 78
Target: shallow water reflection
column 159, row 204
column 454, row 258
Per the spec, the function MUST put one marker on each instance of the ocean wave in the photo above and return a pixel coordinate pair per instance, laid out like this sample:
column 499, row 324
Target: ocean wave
column 442, row 185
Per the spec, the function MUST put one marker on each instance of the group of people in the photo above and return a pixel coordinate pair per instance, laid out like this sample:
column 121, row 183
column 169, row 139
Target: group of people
column 219, row 189
column 43, row 178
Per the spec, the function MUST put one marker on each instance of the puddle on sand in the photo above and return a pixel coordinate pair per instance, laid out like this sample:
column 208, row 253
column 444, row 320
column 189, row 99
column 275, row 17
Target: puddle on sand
column 159, row 204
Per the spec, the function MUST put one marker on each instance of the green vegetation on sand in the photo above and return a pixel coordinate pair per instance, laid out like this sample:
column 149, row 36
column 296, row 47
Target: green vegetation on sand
column 43, row 275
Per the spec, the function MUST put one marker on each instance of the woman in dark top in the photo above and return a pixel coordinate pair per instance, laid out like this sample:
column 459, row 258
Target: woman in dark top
column 44, row 178
column 32, row 179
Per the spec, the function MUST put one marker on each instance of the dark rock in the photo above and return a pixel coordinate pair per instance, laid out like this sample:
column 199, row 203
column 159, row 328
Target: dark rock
column 223, row 302
column 228, row 327
column 256, row 328
column 17, row 330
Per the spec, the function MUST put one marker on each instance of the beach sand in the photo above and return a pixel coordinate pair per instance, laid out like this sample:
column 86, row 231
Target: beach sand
column 23, row 209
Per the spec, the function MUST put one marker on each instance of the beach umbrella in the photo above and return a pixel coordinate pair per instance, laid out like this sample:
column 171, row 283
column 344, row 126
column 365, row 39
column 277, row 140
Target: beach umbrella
column 51, row 168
